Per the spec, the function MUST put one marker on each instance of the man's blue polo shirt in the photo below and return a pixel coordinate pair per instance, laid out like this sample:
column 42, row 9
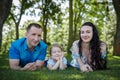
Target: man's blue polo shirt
column 19, row 50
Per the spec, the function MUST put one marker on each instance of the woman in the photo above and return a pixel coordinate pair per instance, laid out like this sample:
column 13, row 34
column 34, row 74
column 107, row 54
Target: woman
column 89, row 52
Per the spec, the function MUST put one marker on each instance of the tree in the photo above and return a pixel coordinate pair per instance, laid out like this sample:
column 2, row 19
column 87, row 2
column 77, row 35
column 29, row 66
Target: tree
column 18, row 10
column 81, row 11
column 50, row 12
column 70, row 37
column 116, row 51
column 5, row 6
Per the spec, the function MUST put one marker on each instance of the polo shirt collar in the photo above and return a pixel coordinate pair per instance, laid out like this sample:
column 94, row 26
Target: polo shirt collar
column 37, row 47
column 26, row 47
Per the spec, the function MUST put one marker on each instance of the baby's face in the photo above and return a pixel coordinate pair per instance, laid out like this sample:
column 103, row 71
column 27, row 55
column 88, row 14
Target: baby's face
column 56, row 52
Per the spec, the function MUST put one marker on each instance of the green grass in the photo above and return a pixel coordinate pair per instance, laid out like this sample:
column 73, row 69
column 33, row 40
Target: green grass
column 112, row 73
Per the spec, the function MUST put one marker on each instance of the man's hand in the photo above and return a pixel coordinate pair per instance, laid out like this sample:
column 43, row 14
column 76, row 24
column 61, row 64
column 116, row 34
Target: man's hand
column 29, row 66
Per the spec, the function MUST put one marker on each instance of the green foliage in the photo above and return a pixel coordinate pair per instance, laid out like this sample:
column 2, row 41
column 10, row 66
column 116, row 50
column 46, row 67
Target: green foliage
column 58, row 34
column 100, row 13
column 8, row 37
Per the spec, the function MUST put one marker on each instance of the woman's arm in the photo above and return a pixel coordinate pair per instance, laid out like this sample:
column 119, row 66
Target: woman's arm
column 75, row 51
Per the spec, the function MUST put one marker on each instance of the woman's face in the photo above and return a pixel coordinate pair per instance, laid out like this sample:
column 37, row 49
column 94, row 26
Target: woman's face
column 86, row 33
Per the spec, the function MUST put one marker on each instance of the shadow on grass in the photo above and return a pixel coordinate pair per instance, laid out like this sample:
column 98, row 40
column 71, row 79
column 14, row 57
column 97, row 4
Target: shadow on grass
column 112, row 73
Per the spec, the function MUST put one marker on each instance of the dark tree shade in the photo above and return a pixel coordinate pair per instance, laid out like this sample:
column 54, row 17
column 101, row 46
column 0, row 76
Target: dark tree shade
column 70, row 38
column 116, row 52
column 5, row 6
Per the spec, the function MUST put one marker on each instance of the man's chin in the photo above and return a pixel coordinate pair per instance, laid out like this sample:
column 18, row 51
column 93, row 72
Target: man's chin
column 35, row 45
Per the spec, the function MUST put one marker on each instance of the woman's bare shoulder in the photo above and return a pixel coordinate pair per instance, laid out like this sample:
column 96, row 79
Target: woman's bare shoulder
column 76, row 42
column 75, row 47
column 103, row 46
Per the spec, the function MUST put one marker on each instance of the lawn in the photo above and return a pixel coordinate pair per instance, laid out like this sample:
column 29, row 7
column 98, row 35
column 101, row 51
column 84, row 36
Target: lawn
column 112, row 73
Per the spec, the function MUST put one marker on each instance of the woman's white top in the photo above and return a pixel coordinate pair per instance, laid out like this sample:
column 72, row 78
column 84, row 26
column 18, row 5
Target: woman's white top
column 74, row 62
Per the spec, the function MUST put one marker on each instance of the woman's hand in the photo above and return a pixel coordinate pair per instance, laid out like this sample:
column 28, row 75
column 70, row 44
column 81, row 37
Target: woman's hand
column 86, row 68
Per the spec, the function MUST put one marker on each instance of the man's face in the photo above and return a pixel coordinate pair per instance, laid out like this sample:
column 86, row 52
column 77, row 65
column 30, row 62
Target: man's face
column 33, row 36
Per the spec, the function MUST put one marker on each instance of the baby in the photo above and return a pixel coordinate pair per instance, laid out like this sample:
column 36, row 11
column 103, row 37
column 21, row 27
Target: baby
column 56, row 59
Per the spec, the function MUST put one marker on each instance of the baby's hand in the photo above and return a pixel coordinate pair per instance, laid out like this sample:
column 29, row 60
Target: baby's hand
column 62, row 55
column 56, row 58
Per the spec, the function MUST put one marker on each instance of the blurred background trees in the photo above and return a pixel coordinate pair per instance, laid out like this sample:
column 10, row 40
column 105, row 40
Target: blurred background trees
column 61, row 21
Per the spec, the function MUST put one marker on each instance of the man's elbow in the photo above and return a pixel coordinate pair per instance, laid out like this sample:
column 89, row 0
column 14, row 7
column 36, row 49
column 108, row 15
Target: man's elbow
column 40, row 65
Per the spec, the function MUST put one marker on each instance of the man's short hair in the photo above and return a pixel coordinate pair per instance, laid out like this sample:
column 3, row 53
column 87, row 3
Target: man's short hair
column 33, row 24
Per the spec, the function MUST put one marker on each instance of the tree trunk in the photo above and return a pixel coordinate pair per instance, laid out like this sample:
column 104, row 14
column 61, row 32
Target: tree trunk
column 17, row 18
column 45, row 19
column 17, row 30
column 5, row 6
column 70, row 37
column 116, row 51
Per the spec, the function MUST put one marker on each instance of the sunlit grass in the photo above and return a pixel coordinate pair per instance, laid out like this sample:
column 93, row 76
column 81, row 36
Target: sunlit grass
column 112, row 73
column 116, row 57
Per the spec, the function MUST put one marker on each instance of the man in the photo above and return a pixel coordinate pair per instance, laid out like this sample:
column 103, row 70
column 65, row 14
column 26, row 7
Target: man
column 28, row 53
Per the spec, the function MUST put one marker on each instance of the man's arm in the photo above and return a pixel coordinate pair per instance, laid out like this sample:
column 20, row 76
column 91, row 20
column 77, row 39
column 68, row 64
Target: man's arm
column 39, row 64
column 14, row 64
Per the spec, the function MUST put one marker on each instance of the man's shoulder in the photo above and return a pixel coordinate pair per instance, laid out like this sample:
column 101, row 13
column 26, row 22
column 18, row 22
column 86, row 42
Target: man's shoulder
column 18, row 42
column 42, row 43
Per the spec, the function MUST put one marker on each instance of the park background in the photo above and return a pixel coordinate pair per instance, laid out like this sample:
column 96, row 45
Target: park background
column 61, row 21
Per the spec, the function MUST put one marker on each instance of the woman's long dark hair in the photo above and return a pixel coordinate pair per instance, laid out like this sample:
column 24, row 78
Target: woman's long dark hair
column 96, row 62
